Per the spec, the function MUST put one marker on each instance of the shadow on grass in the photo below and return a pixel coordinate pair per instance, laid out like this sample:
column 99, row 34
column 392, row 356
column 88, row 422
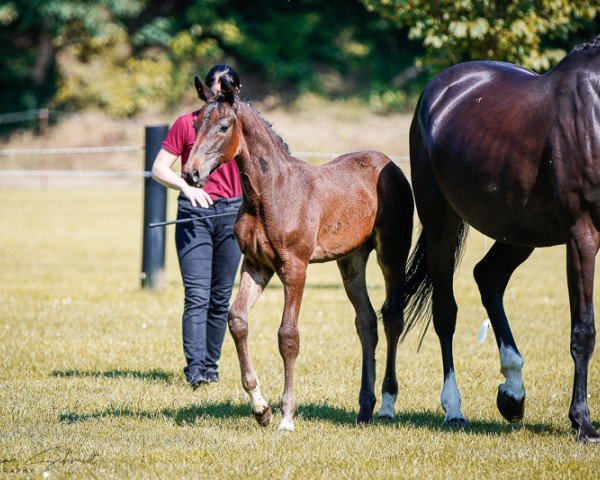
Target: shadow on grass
column 423, row 419
column 153, row 375
column 179, row 416
column 434, row 421
column 314, row 412
column 321, row 286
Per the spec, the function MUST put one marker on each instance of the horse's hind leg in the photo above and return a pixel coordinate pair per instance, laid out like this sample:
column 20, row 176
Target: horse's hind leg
column 439, row 244
column 442, row 244
column 353, row 273
column 492, row 275
column 254, row 279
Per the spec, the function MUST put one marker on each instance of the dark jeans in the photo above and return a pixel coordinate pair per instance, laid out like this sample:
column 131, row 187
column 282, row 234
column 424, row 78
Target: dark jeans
column 208, row 257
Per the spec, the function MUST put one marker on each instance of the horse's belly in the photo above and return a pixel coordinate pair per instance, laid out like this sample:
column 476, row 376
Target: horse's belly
column 529, row 226
column 338, row 241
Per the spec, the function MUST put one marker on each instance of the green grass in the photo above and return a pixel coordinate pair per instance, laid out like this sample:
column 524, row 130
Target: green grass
column 91, row 367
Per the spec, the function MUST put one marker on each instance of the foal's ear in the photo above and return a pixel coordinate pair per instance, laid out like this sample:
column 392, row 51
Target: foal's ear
column 227, row 91
column 204, row 92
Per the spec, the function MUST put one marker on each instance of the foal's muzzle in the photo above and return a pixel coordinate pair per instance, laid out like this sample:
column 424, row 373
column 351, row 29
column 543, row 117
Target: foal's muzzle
column 196, row 179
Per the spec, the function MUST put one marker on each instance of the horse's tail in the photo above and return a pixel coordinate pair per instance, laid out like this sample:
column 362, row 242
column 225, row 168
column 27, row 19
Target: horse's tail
column 419, row 288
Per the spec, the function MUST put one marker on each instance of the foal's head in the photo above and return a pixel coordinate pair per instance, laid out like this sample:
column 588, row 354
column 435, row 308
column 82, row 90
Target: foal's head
column 218, row 133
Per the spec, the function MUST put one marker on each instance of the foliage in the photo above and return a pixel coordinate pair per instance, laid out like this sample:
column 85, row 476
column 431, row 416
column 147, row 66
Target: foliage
column 125, row 56
column 510, row 30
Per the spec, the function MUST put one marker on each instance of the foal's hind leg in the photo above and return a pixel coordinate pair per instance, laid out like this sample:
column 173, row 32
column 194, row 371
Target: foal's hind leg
column 392, row 246
column 254, row 279
column 352, row 269
column 492, row 275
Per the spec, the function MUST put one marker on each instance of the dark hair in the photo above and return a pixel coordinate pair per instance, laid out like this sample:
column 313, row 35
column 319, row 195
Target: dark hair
column 223, row 71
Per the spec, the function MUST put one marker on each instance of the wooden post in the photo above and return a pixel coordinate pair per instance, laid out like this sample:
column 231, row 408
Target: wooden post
column 155, row 210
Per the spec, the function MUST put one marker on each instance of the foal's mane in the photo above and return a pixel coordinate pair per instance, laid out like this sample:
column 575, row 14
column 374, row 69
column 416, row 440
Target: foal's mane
column 274, row 135
column 590, row 44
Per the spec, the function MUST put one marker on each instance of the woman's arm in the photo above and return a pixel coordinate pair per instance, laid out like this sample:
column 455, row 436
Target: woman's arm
column 162, row 173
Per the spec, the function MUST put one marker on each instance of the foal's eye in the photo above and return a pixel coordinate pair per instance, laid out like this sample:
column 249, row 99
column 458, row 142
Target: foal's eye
column 224, row 128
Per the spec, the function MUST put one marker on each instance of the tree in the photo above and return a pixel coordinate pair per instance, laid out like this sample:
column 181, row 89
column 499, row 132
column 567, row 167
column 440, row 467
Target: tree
column 518, row 31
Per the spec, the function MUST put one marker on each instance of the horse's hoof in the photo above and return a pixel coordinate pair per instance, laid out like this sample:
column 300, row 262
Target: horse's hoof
column 457, row 422
column 509, row 407
column 587, row 434
column 264, row 418
column 385, row 415
column 386, row 411
column 286, row 425
column 364, row 418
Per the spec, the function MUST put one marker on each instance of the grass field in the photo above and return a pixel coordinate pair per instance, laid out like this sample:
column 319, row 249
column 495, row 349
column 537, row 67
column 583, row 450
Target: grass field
column 91, row 382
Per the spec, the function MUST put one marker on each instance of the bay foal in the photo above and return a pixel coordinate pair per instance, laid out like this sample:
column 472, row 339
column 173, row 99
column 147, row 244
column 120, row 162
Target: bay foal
column 293, row 214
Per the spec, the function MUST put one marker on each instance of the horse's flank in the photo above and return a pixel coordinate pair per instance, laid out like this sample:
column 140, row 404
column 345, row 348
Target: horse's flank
column 502, row 103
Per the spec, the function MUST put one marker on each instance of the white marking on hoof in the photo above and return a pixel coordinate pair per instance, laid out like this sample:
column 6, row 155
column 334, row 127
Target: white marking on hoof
column 259, row 404
column 450, row 398
column 286, row 425
column 511, row 364
column 387, row 406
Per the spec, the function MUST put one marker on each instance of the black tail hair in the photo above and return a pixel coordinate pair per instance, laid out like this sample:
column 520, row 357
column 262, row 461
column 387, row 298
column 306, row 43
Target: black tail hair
column 418, row 289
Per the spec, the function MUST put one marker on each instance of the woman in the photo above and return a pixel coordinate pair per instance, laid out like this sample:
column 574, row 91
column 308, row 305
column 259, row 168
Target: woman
column 207, row 250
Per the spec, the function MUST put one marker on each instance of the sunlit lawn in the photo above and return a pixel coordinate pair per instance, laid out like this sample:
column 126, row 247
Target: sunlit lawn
column 91, row 367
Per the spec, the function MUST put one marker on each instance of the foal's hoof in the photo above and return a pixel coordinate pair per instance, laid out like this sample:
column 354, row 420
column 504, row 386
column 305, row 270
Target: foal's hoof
column 458, row 422
column 509, row 407
column 286, row 425
column 587, row 434
column 264, row 418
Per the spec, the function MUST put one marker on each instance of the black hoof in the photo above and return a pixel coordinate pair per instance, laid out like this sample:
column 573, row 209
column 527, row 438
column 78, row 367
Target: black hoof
column 456, row 423
column 364, row 418
column 264, row 418
column 587, row 434
column 510, row 408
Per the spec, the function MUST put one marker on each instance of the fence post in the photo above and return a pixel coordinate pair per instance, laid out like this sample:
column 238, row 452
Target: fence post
column 155, row 210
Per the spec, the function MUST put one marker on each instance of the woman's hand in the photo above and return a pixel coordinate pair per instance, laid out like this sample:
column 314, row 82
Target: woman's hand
column 197, row 196
column 162, row 173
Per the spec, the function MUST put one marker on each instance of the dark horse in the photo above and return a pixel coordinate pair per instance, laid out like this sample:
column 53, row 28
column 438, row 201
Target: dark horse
column 293, row 214
column 517, row 156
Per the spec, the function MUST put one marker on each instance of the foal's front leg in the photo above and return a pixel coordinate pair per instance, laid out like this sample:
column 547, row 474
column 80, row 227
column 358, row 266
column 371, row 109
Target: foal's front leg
column 254, row 279
column 293, row 276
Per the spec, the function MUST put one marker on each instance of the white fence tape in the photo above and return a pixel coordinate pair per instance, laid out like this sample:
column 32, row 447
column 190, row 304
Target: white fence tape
column 73, row 173
column 71, row 150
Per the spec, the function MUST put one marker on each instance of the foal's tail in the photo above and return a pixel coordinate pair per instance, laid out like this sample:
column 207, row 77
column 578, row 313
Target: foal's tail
column 419, row 288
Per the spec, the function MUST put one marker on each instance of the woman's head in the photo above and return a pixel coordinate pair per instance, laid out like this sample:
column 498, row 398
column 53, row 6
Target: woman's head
column 213, row 78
